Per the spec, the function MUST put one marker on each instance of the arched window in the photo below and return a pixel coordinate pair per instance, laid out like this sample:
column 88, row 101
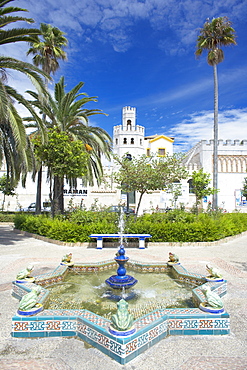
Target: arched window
column 191, row 187
column 140, row 141
column 125, row 140
column 129, row 126
column 132, row 141
column 116, row 141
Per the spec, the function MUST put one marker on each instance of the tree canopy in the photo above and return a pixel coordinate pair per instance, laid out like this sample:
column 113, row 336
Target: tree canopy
column 145, row 174
column 63, row 156
column 215, row 34
column 200, row 183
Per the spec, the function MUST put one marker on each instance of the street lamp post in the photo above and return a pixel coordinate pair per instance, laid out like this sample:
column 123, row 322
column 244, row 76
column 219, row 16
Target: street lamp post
column 129, row 158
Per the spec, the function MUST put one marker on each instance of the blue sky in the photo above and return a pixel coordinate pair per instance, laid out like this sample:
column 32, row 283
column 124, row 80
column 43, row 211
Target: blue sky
column 140, row 53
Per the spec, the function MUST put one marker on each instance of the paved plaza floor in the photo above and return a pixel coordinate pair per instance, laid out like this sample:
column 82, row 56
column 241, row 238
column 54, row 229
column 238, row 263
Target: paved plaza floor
column 174, row 353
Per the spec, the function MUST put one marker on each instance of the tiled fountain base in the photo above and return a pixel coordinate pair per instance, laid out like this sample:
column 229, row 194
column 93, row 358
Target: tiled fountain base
column 93, row 329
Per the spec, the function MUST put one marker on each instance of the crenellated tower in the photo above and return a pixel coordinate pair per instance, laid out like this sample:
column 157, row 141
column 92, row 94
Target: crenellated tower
column 128, row 137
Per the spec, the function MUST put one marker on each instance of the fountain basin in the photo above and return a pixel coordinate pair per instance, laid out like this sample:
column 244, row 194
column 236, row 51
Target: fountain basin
column 94, row 329
column 82, row 290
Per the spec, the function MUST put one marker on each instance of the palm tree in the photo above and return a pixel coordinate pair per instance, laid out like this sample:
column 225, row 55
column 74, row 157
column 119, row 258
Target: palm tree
column 14, row 144
column 47, row 52
column 66, row 113
column 212, row 37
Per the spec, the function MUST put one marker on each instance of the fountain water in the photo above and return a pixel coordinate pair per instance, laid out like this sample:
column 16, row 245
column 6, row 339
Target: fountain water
column 121, row 281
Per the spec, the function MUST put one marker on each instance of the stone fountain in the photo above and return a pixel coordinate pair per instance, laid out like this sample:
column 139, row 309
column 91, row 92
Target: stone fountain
column 135, row 336
column 121, row 281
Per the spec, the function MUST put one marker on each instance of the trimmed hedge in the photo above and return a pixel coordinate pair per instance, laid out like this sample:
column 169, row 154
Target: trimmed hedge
column 171, row 227
column 7, row 217
column 62, row 230
column 201, row 228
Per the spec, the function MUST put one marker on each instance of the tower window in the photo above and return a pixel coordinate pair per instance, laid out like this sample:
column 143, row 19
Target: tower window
column 132, row 140
column 116, row 141
column 129, row 125
column 125, row 140
column 140, row 141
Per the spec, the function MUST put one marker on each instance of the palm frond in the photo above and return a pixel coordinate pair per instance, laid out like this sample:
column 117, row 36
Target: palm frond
column 5, row 20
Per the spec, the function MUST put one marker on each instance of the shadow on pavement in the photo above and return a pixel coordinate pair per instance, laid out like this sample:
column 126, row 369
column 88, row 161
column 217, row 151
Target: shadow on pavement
column 9, row 237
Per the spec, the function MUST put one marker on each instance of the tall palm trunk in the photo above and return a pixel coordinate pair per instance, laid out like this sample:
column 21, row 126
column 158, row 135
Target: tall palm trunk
column 38, row 192
column 215, row 148
column 58, row 200
column 39, row 180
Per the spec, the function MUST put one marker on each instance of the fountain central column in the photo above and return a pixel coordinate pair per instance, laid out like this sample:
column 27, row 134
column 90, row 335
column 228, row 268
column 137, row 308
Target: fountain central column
column 121, row 280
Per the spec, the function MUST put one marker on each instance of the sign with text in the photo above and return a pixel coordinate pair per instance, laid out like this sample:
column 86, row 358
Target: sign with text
column 75, row 192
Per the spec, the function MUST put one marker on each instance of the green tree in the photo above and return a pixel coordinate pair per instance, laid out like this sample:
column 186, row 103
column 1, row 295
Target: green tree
column 176, row 191
column 244, row 189
column 212, row 37
column 66, row 113
column 145, row 174
column 14, row 145
column 200, row 183
column 6, row 188
column 64, row 157
column 47, row 50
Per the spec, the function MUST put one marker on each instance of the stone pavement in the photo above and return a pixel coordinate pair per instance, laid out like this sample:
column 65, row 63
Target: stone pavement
column 173, row 353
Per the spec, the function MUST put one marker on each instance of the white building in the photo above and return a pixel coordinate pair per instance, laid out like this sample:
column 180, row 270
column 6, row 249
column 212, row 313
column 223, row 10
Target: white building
column 232, row 167
column 129, row 137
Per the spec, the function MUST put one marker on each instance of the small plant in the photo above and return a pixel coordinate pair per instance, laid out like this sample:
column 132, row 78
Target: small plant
column 200, row 183
column 7, row 188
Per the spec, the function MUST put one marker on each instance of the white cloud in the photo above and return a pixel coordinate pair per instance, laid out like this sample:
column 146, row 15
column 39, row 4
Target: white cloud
column 179, row 19
column 199, row 126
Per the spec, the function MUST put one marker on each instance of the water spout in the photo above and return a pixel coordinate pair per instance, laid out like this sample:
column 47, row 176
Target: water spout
column 121, row 281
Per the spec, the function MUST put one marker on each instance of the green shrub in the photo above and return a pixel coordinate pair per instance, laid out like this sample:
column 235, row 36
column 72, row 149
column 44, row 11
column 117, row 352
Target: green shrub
column 62, row 230
column 82, row 217
column 7, row 217
column 177, row 227
column 176, row 215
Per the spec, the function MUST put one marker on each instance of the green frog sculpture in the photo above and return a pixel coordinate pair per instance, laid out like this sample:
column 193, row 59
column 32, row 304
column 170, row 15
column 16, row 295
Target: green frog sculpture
column 29, row 303
column 67, row 260
column 173, row 259
column 213, row 301
column 24, row 276
column 122, row 320
column 214, row 273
